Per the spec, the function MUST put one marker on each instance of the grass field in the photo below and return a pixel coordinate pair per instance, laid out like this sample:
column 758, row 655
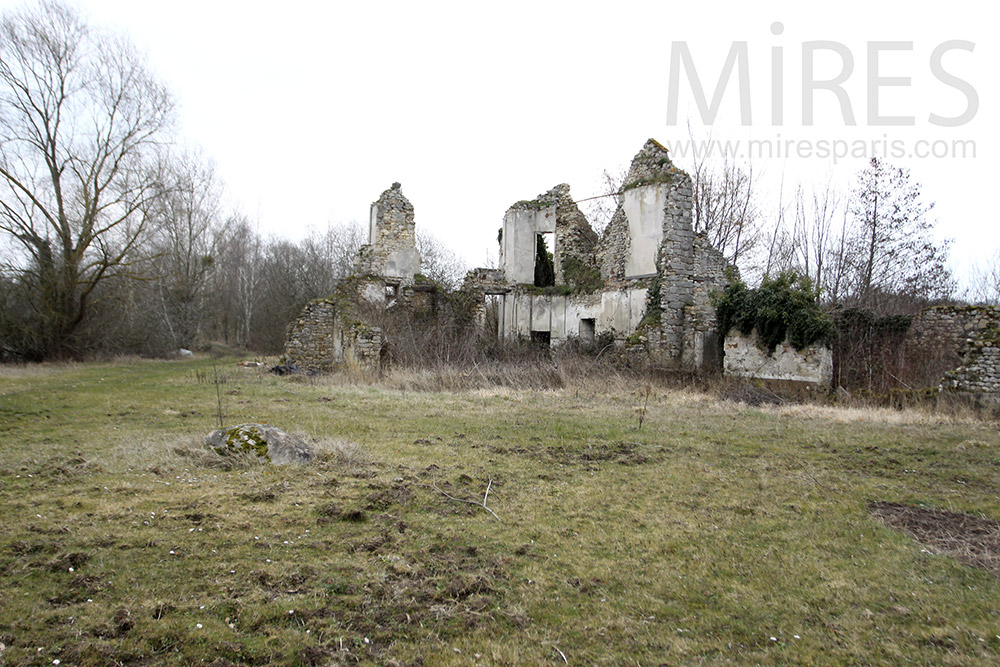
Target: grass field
column 715, row 533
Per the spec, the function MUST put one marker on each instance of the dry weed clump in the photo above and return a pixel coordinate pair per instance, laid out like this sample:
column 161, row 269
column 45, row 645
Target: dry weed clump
column 27, row 371
column 844, row 414
column 346, row 456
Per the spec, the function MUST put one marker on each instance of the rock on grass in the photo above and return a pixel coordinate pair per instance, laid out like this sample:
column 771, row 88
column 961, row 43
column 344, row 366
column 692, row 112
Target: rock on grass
column 262, row 440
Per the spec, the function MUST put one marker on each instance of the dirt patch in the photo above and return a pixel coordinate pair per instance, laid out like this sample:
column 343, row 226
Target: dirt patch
column 620, row 452
column 972, row 540
column 68, row 562
column 385, row 497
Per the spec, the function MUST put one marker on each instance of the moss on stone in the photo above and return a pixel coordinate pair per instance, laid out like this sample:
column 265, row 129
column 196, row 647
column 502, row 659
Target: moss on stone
column 581, row 277
column 534, row 204
column 666, row 177
column 239, row 439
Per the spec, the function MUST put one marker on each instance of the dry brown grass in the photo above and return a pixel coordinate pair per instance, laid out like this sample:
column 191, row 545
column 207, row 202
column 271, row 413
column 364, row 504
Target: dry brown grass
column 872, row 415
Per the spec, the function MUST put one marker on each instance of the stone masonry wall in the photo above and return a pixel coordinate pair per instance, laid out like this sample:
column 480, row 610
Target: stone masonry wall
column 391, row 250
column 574, row 236
column 650, row 166
column 314, row 341
column 613, row 249
column 968, row 339
column 676, row 264
column 322, row 339
column 701, row 342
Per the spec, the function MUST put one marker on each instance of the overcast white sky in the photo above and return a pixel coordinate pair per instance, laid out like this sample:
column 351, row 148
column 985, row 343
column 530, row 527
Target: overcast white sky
column 311, row 109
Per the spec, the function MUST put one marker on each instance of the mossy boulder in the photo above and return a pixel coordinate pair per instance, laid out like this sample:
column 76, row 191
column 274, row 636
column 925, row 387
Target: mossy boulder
column 262, row 440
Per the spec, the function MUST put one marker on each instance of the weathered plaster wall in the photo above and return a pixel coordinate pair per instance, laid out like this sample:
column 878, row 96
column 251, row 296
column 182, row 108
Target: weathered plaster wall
column 618, row 312
column 744, row 358
column 522, row 223
column 643, row 208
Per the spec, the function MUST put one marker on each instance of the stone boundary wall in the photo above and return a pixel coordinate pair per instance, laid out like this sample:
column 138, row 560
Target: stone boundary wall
column 968, row 335
column 744, row 358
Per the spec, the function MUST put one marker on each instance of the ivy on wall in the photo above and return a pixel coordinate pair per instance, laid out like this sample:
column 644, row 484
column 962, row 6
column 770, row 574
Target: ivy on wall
column 785, row 306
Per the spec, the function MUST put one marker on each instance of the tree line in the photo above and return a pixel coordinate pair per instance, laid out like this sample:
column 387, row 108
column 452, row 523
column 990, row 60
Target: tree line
column 115, row 238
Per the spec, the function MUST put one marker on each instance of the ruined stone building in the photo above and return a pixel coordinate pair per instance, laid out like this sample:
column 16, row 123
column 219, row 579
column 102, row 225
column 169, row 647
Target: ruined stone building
column 645, row 285
column 647, row 281
column 332, row 333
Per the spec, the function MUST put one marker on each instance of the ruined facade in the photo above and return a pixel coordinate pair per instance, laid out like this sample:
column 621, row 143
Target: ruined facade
column 331, row 333
column 646, row 283
column 645, row 286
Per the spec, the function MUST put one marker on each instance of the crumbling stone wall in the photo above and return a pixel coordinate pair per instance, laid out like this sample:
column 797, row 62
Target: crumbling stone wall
column 364, row 351
column 575, row 239
column 649, row 247
column 391, row 251
column 700, row 348
column 676, row 264
column 961, row 345
column 689, row 269
column 315, row 340
column 328, row 336
column 489, row 281
column 613, row 249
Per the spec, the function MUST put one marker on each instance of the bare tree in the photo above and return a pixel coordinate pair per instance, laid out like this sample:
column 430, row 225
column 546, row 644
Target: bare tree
column 725, row 202
column 600, row 208
column 236, row 281
column 438, row 262
column 330, row 255
column 818, row 243
column 186, row 218
column 725, row 207
column 780, row 246
column 81, row 120
column 985, row 286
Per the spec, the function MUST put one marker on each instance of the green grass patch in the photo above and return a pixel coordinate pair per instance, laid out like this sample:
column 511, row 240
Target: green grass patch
column 715, row 533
